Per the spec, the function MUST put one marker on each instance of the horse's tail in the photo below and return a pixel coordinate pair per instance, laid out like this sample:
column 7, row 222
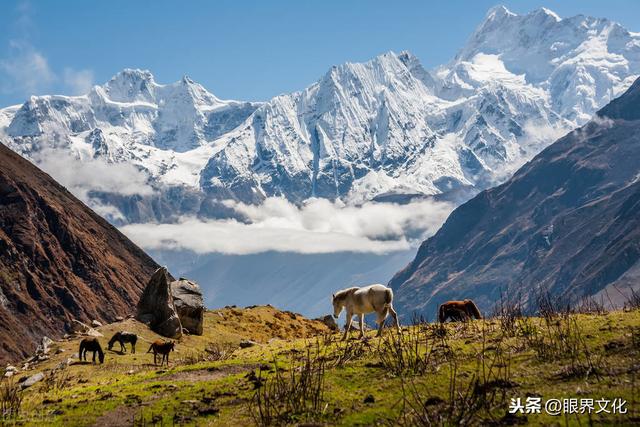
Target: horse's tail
column 80, row 349
column 441, row 313
column 150, row 348
column 473, row 310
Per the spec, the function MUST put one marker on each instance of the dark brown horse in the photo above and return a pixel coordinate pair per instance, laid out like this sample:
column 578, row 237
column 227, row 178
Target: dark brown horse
column 123, row 337
column 163, row 348
column 458, row 311
column 91, row 344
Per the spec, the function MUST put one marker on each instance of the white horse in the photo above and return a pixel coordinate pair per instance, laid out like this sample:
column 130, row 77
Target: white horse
column 364, row 300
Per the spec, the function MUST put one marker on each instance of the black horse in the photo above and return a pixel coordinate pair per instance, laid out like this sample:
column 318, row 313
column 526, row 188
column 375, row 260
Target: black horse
column 91, row 344
column 124, row 337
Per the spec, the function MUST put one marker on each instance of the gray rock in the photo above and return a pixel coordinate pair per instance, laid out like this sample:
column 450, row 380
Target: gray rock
column 32, row 380
column 95, row 323
column 189, row 304
column 78, row 327
column 247, row 343
column 43, row 347
column 156, row 307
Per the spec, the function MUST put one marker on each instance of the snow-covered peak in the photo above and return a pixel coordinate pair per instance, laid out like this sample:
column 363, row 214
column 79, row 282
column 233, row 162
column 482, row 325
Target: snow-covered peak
column 131, row 85
column 582, row 62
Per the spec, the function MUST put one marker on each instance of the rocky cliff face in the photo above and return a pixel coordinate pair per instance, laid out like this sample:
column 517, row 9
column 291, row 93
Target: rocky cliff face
column 58, row 260
column 566, row 222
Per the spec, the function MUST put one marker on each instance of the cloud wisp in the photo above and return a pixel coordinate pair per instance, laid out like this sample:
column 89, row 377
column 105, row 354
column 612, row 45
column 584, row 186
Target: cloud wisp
column 319, row 226
column 26, row 71
column 84, row 176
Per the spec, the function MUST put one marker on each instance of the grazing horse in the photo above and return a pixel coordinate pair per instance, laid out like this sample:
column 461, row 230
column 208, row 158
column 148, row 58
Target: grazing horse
column 163, row 348
column 123, row 337
column 365, row 300
column 458, row 311
column 90, row 344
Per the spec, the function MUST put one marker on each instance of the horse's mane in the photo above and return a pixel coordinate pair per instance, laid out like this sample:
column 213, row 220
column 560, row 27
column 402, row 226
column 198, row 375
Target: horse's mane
column 473, row 308
column 343, row 293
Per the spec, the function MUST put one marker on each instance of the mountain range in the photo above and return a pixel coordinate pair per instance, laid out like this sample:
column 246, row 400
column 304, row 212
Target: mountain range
column 386, row 129
column 566, row 225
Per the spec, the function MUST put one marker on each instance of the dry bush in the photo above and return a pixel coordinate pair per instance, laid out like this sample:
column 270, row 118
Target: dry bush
column 589, row 305
column 55, row 380
column 416, row 351
column 292, row 395
column 633, row 300
column 562, row 339
column 217, row 351
column 478, row 401
column 508, row 313
column 10, row 399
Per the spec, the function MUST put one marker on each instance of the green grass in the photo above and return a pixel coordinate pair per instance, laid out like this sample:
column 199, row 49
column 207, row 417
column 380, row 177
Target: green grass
column 473, row 365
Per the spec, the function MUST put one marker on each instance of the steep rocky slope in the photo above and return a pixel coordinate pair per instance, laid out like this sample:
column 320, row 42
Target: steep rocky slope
column 567, row 223
column 58, row 260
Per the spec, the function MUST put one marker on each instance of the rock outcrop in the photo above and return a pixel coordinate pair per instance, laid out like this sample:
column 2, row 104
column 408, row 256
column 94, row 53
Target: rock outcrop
column 156, row 307
column 189, row 304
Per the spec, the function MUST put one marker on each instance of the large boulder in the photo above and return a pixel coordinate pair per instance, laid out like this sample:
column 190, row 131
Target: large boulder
column 156, row 307
column 189, row 304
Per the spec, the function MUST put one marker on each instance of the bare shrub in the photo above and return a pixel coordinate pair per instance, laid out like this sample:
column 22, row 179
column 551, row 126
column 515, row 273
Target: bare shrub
column 550, row 307
column 633, row 300
column 218, row 351
column 508, row 313
column 417, row 351
column 55, row 380
column 292, row 395
column 562, row 339
column 589, row 305
column 10, row 399
column 479, row 401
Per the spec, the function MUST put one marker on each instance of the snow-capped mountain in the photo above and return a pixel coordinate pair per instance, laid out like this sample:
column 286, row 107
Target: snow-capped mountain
column 363, row 131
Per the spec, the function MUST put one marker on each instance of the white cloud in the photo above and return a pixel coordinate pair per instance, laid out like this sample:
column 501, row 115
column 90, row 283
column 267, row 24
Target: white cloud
column 81, row 176
column 320, row 226
column 26, row 70
column 79, row 82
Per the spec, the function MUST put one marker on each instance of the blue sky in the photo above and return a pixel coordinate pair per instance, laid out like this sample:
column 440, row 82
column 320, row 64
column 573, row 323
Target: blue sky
column 236, row 49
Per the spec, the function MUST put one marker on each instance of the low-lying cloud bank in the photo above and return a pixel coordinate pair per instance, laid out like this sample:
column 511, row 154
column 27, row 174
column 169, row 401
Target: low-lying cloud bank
column 319, row 226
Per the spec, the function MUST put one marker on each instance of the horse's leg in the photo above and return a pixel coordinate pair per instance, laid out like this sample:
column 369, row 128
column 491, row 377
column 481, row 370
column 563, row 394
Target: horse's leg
column 94, row 357
column 133, row 347
column 347, row 326
column 381, row 320
column 362, row 325
column 395, row 318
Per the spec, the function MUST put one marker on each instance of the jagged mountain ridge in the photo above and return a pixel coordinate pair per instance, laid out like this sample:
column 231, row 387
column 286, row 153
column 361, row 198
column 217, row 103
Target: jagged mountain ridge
column 363, row 131
column 59, row 261
column 566, row 223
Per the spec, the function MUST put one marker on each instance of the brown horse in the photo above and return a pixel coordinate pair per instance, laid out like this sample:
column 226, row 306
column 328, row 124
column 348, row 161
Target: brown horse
column 91, row 344
column 123, row 337
column 458, row 311
column 163, row 348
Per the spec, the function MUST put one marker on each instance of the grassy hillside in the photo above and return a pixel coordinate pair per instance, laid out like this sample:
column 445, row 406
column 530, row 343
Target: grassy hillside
column 300, row 373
